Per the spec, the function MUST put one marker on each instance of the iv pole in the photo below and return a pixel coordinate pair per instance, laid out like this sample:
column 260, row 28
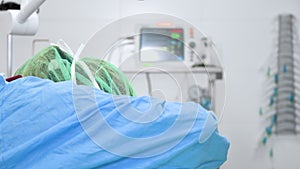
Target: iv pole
column 9, row 55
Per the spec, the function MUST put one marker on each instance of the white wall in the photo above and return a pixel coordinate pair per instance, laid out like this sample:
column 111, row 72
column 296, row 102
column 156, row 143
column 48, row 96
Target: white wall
column 241, row 29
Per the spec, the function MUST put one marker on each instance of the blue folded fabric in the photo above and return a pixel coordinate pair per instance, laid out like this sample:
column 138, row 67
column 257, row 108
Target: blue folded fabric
column 61, row 125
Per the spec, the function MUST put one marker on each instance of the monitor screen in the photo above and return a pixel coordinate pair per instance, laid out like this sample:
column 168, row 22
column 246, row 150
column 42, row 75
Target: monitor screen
column 161, row 44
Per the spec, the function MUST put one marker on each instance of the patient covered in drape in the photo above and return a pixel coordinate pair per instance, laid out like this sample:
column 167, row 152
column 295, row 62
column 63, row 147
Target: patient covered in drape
column 46, row 124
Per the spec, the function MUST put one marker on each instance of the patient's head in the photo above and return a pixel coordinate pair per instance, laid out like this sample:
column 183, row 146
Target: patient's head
column 55, row 64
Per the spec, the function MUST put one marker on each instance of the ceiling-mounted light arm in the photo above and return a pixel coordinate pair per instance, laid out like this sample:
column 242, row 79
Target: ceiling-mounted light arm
column 28, row 9
column 23, row 22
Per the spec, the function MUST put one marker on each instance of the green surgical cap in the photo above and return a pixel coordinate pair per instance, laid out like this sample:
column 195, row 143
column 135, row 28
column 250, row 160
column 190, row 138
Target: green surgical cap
column 55, row 64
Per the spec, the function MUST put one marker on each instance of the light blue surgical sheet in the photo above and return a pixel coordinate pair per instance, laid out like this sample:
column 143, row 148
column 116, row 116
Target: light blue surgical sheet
column 61, row 125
